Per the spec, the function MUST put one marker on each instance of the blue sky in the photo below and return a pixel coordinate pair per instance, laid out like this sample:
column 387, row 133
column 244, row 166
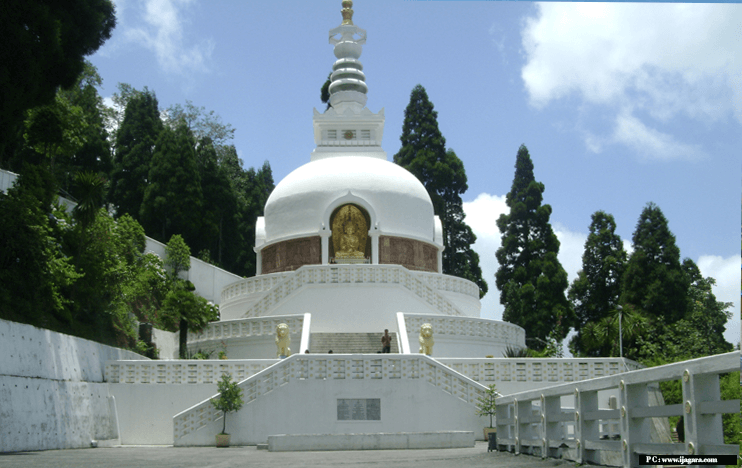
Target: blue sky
column 619, row 104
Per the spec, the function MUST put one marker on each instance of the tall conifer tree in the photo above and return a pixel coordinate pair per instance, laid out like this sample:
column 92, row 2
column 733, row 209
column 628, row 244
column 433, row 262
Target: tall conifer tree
column 424, row 154
column 173, row 199
column 596, row 291
column 135, row 146
column 654, row 281
column 531, row 280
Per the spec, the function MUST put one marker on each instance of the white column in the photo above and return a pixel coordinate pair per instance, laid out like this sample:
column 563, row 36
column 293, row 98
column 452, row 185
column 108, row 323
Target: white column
column 325, row 235
column 258, row 261
column 374, row 246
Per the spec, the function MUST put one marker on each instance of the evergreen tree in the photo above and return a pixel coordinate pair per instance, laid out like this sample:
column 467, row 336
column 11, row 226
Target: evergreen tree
column 654, row 281
column 44, row 44
column 424, row 154
column 173, row 199
column 531, row 280
column 219, row 219
column 135, row 147
column 597, row 289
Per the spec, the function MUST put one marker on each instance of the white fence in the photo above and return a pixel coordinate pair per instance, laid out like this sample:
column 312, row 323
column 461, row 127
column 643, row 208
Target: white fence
column 246, row 328
column 535, row 421
column 185, row 372
column 283, row 286
column 528, row 371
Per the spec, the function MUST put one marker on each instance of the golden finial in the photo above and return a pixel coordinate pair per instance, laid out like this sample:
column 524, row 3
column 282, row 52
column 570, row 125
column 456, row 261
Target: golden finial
column 347, row 12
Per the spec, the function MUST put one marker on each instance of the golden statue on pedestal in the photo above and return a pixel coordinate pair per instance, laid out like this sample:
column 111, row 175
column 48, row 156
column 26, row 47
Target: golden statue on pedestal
column 349, row 233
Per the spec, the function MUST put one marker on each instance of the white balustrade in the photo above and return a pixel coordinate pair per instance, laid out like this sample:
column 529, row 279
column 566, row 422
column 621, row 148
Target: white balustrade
column 243, row 328
column 336, row 367
column 281, row 287
column 182, row 371
column 492, row 370
column 535, row 422
column 252, row 285
column 493, row 330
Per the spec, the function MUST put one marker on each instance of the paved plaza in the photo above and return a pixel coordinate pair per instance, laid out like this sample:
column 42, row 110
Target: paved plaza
column 162, row 457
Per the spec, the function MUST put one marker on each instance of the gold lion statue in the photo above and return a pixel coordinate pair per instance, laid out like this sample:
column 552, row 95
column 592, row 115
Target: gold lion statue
column 283, row 340
column 426, row 339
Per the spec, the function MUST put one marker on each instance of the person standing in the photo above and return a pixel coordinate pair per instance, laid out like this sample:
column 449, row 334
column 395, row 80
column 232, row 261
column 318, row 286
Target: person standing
column 386, row 342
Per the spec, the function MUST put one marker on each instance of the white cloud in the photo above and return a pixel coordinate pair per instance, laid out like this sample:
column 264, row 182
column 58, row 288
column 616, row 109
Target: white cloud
column 161, row 31
column 666, row 60
column 651, row 143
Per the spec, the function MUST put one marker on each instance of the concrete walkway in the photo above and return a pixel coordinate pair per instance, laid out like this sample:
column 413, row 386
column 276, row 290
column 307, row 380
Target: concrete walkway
column 161, row 457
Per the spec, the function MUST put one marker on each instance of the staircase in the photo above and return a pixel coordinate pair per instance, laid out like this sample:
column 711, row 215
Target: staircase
column 350, row 343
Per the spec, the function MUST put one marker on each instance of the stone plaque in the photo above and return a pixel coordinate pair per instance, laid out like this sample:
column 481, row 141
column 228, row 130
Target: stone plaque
column 290, row 255
column 359, row 409
column 343, row 410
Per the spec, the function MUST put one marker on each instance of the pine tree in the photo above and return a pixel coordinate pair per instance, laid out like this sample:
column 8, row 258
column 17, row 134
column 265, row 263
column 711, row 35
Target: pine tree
column 531, row 280
column 654, row 281
column 173, row 199
column 424, row 154
column 597, row 289
column 135, row 147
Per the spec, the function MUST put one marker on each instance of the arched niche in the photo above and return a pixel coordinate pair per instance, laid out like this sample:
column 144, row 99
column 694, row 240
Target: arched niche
column 350, row 242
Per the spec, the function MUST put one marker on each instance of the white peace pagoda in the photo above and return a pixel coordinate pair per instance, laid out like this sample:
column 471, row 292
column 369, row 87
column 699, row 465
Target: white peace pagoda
column 349, row 246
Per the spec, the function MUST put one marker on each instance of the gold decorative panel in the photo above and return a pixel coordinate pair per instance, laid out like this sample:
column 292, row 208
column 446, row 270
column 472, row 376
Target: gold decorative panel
column 411, row 254
column 350, row 240
column 290, row 255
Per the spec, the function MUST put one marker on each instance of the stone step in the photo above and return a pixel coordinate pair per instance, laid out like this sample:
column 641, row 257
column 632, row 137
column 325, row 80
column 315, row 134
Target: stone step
column 350, row 343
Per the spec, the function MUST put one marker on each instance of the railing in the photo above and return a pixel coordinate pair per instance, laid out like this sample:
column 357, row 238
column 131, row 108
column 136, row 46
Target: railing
column 337, row 367
column 182, row 372
column 449, row 283
column 493, row 330
column 243, row 328
column 254, row 284
column 492, row 370
column 535, row 422
column 350, row 274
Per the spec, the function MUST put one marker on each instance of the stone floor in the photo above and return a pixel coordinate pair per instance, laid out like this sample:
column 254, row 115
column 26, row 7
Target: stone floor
column 162, row 457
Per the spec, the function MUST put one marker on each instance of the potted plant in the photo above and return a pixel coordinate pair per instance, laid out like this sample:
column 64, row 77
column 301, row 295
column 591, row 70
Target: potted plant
column 228, row 401
column 486, row 407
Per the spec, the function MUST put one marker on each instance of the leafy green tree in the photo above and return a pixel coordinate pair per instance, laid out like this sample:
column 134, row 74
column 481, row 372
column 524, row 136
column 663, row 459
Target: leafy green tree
column 135, row 147
column 531, row 280
column 654, row 281
column 173, row 198
column 44, row 44
column 182, row 309
column 596, row 291
column 201, row 123
column 701, row 332
column 424, row 154
column 35, row 273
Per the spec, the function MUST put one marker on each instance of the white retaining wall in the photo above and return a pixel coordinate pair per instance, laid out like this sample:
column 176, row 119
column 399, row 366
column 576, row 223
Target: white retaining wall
column 208, row 279
column 373, row 441
column 52, row 389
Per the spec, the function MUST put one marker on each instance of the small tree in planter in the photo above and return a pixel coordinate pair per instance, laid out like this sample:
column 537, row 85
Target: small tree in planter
column 228, row 401
column 486, row 407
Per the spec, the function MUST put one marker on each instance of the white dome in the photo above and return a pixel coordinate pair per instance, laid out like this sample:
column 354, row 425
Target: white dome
column 397, row 203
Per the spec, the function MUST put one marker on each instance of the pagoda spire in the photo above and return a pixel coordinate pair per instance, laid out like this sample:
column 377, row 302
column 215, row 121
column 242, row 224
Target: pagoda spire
column 347, row 127
column 347, row 82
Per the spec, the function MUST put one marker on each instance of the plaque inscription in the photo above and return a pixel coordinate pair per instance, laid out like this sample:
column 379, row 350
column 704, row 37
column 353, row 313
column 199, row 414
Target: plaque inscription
column 359, row 409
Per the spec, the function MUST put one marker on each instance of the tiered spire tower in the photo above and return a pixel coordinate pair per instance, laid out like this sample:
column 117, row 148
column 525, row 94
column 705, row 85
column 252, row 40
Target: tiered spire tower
column 348, row 128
